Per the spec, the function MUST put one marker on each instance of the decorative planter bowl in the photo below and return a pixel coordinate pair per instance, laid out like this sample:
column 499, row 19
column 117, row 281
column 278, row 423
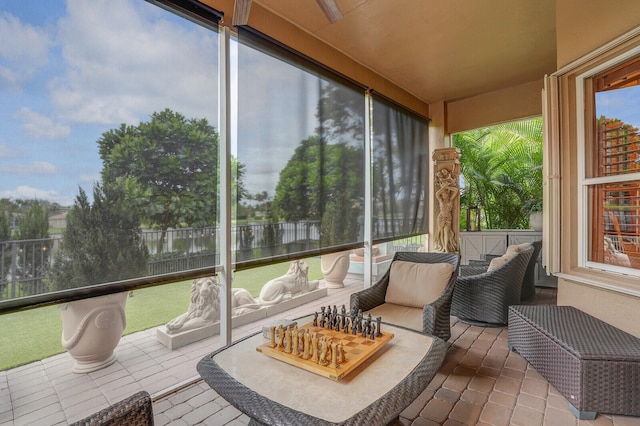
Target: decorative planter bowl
column 334, row 267
column 91, row 330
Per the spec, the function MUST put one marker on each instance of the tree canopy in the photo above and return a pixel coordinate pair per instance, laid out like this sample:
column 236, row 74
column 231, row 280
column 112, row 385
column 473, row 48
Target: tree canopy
column 502, row 171
column 102, row 241
column 170, row 168
column 323, row 182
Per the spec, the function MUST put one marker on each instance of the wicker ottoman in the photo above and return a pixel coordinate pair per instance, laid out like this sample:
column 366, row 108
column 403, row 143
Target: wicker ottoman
column 591, row 363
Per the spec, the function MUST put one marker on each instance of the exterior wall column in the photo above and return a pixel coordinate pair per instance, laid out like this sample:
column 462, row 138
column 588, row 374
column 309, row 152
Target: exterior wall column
column 446, row 200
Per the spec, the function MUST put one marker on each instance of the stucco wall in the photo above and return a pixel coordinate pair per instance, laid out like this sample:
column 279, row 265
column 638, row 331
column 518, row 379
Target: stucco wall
column 584, row 25
column 614, row 298
column 509, row 104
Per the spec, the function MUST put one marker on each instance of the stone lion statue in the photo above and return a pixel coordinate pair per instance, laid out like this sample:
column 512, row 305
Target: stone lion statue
column 295, row 281
column 204, row 305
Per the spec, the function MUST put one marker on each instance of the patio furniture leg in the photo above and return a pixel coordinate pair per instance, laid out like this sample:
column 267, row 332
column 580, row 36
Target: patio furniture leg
column 582, row 415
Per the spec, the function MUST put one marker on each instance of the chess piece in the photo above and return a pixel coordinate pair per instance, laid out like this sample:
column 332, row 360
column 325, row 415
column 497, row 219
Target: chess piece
column 314, row 347
column 324, row 346
column 272, row 343
column 378, row 322
column 315, row 319
column 287, row 340
column 294, row 343
column 372, row 332
column 300, row 342
column 364, row 328
column 280, row 345
column 340, row 355
column 334, row 355
column 307, row 345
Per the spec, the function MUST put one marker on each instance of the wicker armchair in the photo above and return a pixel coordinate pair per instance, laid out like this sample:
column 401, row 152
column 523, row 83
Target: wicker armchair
column 476, row 267
column 135, row 410
column 433, row 319
column 529, row 281
column 484, row 298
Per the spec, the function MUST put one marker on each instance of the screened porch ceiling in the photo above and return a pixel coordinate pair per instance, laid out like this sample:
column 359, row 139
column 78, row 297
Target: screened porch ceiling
column 438, row 50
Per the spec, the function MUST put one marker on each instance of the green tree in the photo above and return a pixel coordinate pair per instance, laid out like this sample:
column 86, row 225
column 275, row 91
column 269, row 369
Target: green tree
column 35, row 223
column 102, row 241
column 502, row 171
column 170, row 169
column 323, row 178
column 33, row 256
column 5, row 230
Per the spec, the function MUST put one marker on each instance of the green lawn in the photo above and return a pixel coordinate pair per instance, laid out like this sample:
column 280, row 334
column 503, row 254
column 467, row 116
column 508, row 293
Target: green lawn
column 35, row 334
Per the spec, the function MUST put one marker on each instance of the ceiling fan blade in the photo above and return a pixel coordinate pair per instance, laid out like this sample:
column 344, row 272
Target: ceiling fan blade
column 330, row 10
column 241, row 12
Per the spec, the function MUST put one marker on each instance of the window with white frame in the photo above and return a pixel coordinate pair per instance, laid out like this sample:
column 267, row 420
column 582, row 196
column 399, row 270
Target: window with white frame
column 610, row 178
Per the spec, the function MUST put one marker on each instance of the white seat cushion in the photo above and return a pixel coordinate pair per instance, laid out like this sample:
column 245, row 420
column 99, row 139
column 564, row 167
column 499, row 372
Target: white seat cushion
column 511, row 252
column 417, row 284
column 404, row 316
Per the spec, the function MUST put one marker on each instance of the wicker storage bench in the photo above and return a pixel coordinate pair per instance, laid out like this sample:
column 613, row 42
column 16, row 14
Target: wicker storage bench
column 591, row 363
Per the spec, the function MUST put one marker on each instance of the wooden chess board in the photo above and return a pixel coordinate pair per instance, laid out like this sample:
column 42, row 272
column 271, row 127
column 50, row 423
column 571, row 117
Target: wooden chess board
column 357, row 350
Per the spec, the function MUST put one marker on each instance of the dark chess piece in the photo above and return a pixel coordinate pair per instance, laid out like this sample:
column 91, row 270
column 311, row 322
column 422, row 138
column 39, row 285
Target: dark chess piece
column 315, row 319
column 345, row 327
column 379, row 321
column 372, row 332
column 365, row 328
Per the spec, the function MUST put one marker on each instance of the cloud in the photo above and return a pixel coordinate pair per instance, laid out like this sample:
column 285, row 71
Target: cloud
column 23, row 50
column 34, row 168
column 129, row 60
column 40, row 126
column 28, row 193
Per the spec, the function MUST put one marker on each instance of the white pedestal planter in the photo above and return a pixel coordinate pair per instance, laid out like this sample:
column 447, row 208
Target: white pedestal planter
column 535, row 221
column 91, row 330
column 334, row 267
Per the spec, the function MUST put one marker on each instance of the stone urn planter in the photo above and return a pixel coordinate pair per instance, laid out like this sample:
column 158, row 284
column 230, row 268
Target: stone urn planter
column 535, row 221
column 91, row 330
column 334, row 267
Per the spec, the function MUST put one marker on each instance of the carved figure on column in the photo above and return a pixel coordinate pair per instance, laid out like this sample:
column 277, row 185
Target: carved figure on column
column 446, row 200
column 446, row 194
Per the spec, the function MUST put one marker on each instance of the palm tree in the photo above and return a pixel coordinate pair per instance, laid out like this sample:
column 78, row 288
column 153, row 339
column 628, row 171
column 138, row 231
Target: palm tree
column 502, row 171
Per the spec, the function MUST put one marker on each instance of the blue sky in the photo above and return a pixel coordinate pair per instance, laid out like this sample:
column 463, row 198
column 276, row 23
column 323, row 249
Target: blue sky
column 623, row 104
column 71, row 70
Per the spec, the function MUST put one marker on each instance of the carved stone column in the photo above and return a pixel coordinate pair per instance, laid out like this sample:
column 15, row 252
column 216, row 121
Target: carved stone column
column 447, row 200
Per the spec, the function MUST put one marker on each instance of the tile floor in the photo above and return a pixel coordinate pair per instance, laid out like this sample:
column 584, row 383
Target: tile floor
column 480, row 383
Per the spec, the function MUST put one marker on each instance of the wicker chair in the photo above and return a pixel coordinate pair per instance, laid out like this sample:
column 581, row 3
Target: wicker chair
column 483, row 298
column 434, row 317
column 529, row 281
column 476, row 267
column 135, row 410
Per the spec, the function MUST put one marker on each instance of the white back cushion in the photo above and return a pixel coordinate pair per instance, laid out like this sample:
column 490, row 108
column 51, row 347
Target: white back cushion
column 417, row 284
column 511, row 252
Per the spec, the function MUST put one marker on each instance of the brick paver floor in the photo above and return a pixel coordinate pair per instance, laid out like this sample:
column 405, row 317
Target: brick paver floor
column 480, row 383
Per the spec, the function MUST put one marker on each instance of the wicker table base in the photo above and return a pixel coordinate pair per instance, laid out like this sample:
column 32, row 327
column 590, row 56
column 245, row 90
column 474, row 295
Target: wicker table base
column 270, row 391
column 591, row 363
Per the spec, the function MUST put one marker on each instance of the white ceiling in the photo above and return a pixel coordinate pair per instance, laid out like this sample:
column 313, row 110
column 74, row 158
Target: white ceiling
column 438, row 50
